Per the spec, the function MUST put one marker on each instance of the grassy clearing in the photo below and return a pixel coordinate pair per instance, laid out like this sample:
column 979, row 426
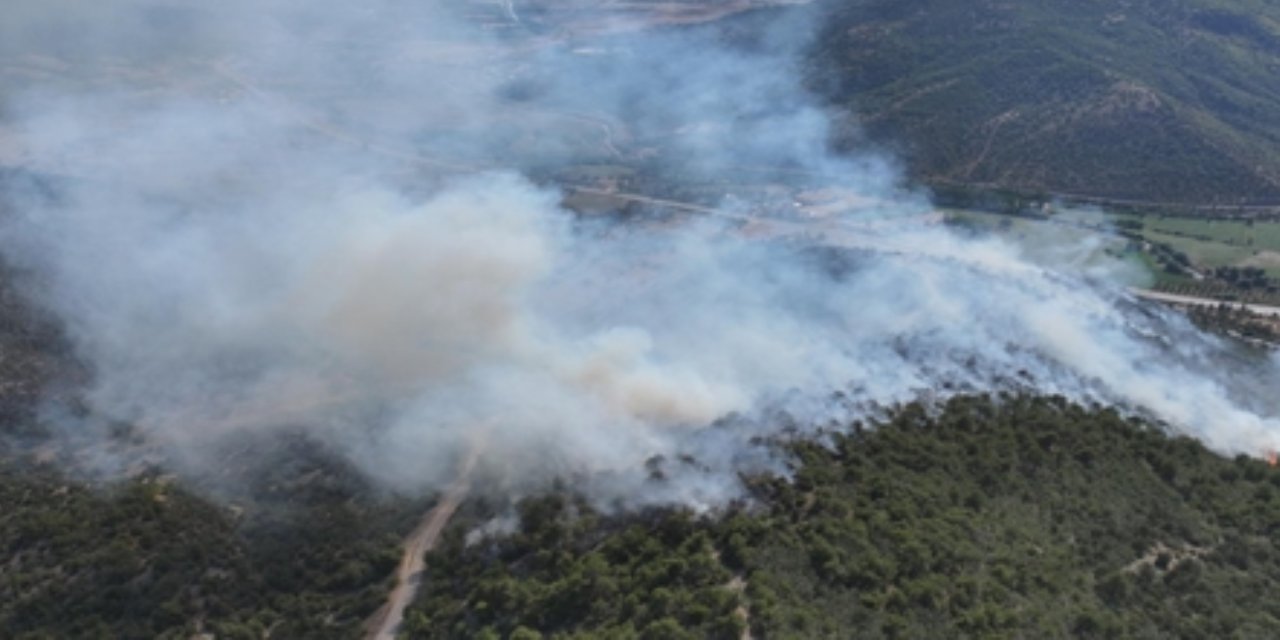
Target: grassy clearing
column 1217, row 243
column 1204, row 245
column 1084, row 242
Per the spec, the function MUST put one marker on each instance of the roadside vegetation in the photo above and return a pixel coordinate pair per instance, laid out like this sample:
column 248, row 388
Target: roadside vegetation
column 1237, row 322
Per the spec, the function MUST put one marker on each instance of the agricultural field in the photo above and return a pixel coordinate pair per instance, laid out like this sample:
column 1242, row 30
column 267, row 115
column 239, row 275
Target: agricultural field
column 1213, row 243
column 1229, row 259
column 1226, row 259
column 1083, row 239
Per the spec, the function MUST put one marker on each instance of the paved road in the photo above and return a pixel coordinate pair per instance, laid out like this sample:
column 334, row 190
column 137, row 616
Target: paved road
column 1194, row 301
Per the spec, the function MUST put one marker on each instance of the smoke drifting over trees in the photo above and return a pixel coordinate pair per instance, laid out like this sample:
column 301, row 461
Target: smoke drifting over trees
column 318, row 215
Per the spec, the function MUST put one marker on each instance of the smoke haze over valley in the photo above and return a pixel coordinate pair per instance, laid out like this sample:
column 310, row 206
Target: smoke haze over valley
column 354, row 221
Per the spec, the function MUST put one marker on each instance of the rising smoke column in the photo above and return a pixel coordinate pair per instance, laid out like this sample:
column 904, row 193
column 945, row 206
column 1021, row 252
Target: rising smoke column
column 308, row 215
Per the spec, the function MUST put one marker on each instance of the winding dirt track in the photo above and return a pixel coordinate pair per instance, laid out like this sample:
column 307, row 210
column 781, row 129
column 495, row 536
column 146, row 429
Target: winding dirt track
column 384, row 624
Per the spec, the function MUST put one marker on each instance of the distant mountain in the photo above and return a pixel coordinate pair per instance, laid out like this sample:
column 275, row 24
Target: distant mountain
column 1154, row 100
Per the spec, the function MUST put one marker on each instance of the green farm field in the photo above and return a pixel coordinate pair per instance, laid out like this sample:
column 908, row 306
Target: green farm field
column 1217, row 243
column 1093, row 239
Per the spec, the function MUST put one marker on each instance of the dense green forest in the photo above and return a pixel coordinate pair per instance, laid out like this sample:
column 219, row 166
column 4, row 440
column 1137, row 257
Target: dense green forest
column 1166, row 101
column 1008, row 517
column 989, row 517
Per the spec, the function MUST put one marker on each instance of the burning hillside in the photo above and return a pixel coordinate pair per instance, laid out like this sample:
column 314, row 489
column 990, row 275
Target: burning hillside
column 364, row 240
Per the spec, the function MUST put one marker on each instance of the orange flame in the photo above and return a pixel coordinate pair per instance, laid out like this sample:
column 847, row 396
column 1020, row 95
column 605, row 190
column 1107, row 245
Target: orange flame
column 1272, row 458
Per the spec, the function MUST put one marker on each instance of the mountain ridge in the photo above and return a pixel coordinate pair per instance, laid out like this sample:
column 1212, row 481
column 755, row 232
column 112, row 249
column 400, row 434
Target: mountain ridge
column 1139, row 101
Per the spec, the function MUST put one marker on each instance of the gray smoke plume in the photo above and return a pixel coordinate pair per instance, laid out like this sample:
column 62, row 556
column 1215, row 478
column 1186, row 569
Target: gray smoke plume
column 344, row 218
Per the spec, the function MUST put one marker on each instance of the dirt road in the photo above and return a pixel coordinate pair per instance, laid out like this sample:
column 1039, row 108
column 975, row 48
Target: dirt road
column 384, row 624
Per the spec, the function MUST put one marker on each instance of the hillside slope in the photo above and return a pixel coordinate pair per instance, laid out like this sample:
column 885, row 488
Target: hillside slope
column 1025, row 517
column 1020, row 517
column 1148, row 100
column 308, row 556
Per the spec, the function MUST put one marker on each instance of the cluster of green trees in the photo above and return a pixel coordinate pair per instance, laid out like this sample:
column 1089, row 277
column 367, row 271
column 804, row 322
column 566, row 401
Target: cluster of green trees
column 656, row 576
column 993, row 517
column 1174, row 261
column 953, row 195
column 1245, row 277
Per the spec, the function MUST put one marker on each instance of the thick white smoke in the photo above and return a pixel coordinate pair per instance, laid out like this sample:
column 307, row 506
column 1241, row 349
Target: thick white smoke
column 315, row 216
